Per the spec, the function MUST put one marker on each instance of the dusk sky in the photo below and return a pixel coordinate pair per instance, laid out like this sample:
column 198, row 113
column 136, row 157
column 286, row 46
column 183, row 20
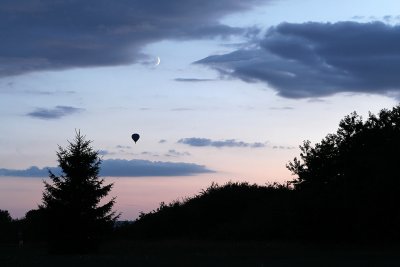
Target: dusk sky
column 239, row 86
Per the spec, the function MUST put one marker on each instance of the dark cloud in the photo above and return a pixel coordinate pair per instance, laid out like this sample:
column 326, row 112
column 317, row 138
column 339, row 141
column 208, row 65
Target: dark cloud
column 202, row 142
column 162, row 141
column 319, row 59
column 54, row 113
column 47, row 34
column 121, row 167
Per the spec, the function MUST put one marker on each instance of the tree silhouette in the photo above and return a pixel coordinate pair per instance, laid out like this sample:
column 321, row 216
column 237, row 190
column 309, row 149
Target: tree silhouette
column 5, row 225
column 5, row 217
column 349, row 182
column 72, row 201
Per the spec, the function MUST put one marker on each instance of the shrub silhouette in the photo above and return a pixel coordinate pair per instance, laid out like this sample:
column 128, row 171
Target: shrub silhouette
column 34, row 226
column 231, row 211
column 71, row 202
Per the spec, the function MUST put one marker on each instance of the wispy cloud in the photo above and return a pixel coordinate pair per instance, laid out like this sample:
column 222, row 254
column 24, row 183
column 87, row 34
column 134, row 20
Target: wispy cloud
column 121, row 167
column 312, row 59
column 284, row 147
column 192, row 80
column 104, row 152
column 54, row 113
column 122, row 147
column 205, row 142
column 174, row 153
column 281, row 108
column 38, row 92
column 387, row 18
column 182, row 109
column 148, row 153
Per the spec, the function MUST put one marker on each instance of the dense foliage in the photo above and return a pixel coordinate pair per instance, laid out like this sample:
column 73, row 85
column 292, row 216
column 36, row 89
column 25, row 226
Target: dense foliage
column 350, row 181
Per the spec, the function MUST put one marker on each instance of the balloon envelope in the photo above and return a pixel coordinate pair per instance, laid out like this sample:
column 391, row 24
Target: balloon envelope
column 135, row 137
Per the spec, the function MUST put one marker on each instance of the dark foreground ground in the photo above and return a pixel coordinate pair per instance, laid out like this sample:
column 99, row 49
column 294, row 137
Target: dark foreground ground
column 192, row 253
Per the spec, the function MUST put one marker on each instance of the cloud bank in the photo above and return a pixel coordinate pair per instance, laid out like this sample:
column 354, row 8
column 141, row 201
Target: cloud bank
column 310, row 60
column 121, row 167
column 54, row 113
column 48, row 35
column 203, row 142
column 30, row 172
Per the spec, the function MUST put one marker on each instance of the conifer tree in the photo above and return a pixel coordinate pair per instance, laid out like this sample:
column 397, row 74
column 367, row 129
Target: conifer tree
column 76, row 218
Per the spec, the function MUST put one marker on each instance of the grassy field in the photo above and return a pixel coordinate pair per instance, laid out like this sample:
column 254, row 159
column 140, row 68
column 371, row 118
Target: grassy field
column 200, row 253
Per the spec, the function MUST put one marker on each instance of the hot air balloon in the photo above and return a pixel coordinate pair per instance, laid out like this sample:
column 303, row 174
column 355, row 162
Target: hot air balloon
column 135, row 137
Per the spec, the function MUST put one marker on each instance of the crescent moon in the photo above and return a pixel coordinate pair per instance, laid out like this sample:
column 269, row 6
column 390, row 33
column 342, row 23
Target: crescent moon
column 158, row 61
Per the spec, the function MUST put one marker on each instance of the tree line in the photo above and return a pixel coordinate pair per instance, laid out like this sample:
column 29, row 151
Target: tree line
column 346, row 188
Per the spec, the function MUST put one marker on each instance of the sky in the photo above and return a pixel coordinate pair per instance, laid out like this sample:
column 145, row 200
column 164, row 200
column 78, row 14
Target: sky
column 239, row 86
